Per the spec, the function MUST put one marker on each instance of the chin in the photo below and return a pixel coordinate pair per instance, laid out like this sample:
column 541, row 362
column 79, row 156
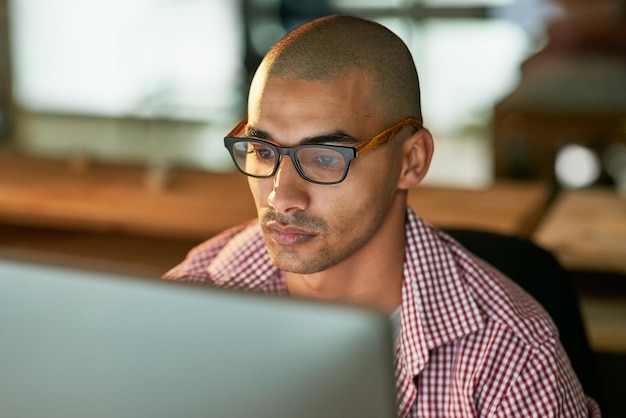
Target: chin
column 295, row 262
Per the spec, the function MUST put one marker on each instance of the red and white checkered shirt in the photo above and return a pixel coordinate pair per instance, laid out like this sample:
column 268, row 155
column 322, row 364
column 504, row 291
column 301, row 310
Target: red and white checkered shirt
column 472, row 343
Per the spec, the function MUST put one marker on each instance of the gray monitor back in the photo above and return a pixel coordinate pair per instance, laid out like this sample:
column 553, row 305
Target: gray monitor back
column 83, row 344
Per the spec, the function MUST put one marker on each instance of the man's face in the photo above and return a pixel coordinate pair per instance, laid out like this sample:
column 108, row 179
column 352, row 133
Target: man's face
column 312, row 227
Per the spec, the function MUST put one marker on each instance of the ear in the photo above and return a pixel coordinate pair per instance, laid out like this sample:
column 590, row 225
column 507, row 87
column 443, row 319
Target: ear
column 417, row 151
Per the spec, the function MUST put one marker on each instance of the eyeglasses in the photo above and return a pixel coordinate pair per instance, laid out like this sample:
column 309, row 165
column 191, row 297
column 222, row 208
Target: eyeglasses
column 319, row 164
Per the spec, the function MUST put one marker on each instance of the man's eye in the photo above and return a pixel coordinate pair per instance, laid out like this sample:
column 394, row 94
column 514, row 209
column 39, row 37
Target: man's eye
column 265, row 153
column 327, row 160
column 262, row 152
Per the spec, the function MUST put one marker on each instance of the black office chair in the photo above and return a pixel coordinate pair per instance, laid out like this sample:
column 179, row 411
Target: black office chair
column 538, row 272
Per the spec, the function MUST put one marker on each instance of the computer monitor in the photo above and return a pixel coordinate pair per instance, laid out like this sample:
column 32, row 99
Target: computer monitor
column 84, row 344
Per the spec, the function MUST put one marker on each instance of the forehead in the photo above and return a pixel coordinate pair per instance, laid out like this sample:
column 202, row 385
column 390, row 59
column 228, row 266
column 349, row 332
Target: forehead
column 295, row 108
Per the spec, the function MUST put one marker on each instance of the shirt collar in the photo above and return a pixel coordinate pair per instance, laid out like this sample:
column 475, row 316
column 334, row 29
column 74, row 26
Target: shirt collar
column 437, row 307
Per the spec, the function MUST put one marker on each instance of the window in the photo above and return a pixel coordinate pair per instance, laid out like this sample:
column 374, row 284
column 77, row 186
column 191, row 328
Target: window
column 121, row 67
column 164, row 79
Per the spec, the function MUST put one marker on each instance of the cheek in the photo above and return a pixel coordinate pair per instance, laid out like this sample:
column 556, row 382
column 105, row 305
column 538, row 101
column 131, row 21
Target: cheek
column 258, row 190
column 376, row 177
column 366, row 195
column 349, row 206
column 353, row 219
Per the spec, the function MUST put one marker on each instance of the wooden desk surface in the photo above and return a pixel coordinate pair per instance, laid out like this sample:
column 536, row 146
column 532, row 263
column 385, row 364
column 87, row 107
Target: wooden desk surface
column 197, row 204
column 586, row 229
column 119, row 199
column 508, row 207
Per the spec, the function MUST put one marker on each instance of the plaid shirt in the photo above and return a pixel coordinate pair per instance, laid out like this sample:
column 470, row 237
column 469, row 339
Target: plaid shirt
column 472, row 343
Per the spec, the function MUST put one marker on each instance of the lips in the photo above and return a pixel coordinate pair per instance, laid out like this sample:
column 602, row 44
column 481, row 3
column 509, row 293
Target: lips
column 289, row 235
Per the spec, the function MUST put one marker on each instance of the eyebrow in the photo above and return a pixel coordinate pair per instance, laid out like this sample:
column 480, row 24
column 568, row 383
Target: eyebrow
column 337, row 137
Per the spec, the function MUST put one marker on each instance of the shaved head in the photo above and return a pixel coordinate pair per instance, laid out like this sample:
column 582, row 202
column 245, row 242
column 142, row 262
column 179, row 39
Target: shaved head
column 334, row 46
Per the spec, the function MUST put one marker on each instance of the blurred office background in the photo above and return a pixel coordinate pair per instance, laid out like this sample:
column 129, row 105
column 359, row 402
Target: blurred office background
column 162, row 81
column 529, row 90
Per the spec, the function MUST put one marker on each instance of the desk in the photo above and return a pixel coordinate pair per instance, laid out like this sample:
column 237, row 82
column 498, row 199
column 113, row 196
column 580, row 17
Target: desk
column 105, row 215
column 110, row 198
column 197, row 204
column 586, row 230
column 507, row 207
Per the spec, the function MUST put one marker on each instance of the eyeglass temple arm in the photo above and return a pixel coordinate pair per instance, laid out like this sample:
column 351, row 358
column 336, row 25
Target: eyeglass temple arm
column 387, row 135
column 361, row 148
column 237, row 130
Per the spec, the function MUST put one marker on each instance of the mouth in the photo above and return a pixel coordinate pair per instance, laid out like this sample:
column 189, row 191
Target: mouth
column 289, row 235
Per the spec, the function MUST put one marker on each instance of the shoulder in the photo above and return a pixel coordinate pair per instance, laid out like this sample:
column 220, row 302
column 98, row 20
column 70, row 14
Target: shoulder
column 518, row 351
column 514, row 353
column 502, row 302
column 479, row 295
column 501, row 299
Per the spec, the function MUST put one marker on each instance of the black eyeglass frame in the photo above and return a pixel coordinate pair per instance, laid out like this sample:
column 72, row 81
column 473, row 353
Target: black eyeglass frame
column 349, row 153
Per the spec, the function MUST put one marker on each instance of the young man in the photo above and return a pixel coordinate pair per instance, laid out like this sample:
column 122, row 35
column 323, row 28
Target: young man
column 332, row 142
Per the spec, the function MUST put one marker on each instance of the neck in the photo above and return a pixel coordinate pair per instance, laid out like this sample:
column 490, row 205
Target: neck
column 372, row 276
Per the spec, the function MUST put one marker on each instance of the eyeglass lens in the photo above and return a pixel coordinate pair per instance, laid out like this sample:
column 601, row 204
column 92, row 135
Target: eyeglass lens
column 319, row 164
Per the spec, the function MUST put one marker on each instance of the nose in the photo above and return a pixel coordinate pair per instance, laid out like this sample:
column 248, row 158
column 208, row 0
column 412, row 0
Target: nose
column 289, row 192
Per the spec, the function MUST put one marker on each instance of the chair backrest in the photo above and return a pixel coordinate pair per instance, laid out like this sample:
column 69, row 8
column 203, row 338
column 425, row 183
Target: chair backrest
column 538, row 272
